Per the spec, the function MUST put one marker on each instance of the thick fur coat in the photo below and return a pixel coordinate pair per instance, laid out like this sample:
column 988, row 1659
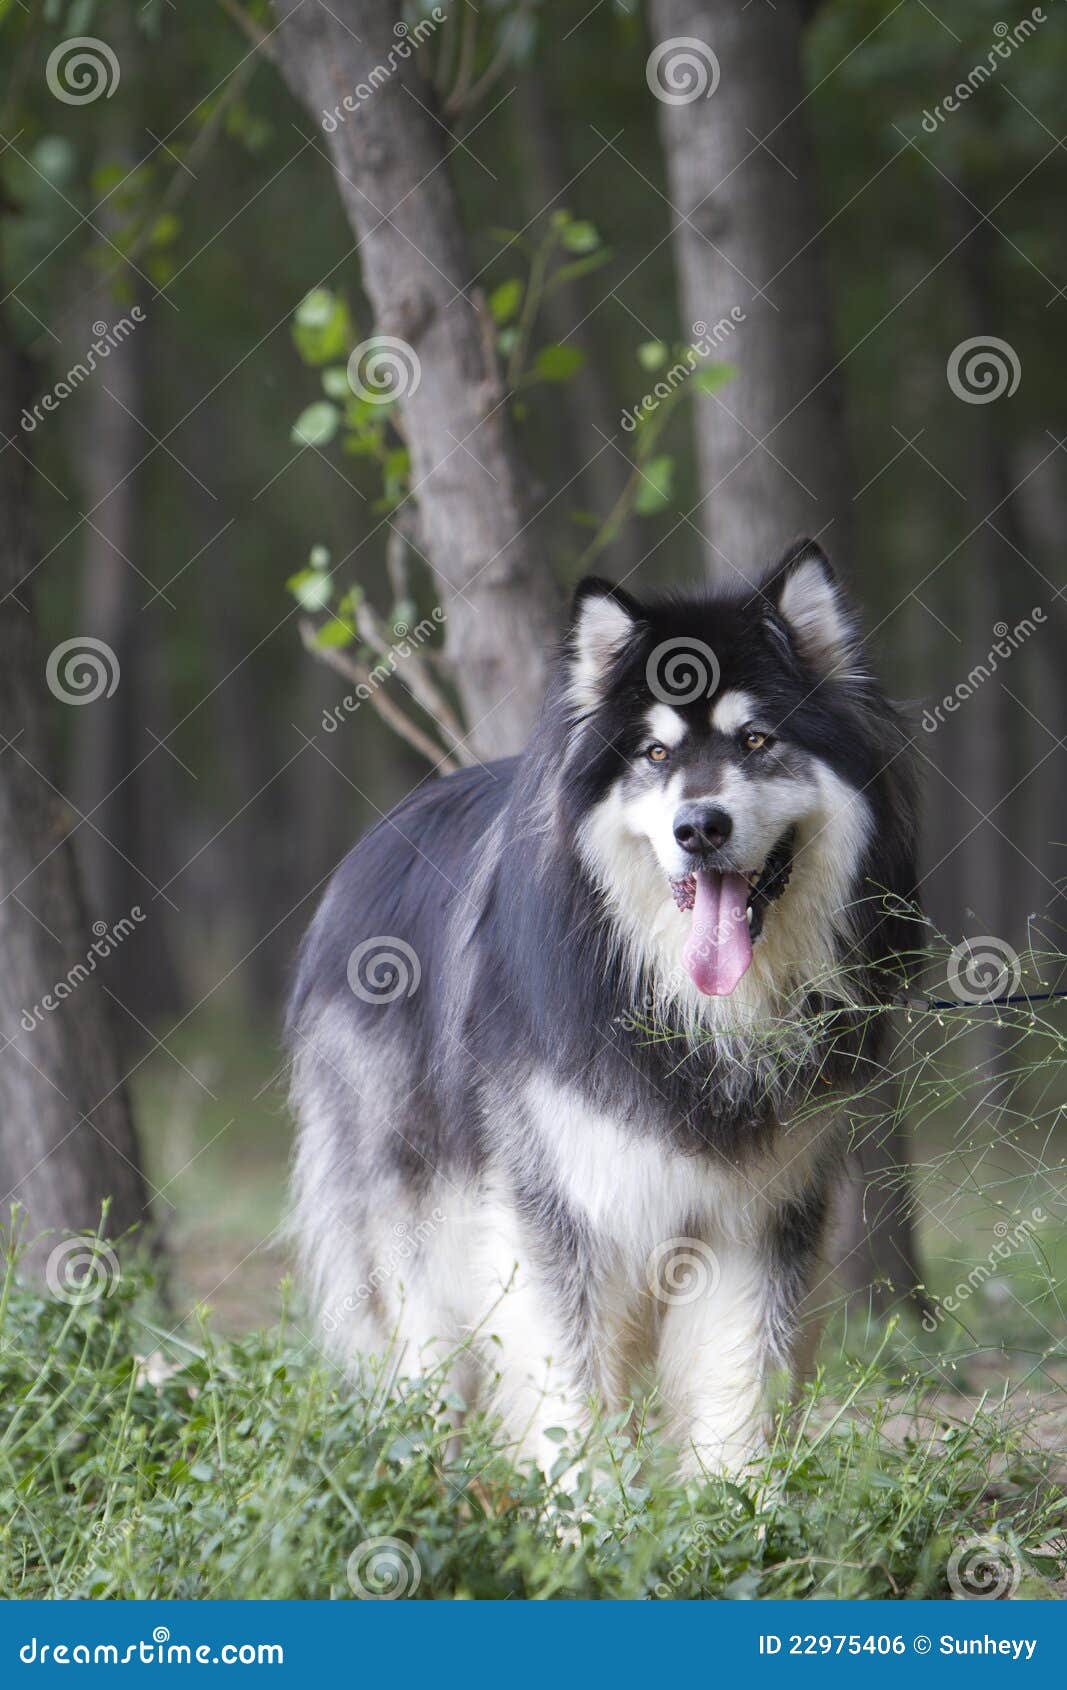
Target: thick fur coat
column 530, row 1107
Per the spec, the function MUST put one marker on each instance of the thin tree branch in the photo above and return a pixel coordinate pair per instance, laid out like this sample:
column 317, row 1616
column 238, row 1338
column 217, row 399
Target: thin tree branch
column 495, row 69
column 465, row 67
column 419, row 682
column 390, row 714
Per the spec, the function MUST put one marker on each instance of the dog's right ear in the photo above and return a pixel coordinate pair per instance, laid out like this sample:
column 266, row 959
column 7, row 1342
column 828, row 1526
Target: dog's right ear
column 603, row 620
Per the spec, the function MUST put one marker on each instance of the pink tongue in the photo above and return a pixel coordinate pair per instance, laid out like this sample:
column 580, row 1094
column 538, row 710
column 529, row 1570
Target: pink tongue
column 719, row 947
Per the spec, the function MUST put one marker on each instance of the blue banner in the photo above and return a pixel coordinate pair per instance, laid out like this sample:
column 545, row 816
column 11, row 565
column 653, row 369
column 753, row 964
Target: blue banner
column 466, row 1645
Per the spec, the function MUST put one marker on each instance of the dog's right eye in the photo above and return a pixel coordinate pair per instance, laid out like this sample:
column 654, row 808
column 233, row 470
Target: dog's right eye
column 657, row 753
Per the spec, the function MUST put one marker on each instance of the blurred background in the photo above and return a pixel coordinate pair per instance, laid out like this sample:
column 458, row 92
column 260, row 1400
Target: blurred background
column 662, row 286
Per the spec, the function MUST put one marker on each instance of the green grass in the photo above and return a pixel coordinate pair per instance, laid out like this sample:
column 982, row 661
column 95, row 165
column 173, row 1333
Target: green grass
column 239, row 1464
column 244, row 1468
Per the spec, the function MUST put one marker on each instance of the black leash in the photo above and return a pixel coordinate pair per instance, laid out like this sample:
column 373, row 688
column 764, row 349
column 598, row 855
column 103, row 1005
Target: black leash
column 983, row 1003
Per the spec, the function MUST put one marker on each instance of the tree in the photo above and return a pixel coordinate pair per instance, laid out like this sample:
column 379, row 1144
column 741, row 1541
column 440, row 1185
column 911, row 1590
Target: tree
column 67, row 1140
column 475, row 517
column 125, row 790
column 771, row 451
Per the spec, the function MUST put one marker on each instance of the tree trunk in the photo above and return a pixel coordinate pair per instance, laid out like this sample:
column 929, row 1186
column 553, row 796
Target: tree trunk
column 119, row 778
column 1038, row 474
column 66, row 1137
column 392, row 173
column 771, row 450
column 1001, row 864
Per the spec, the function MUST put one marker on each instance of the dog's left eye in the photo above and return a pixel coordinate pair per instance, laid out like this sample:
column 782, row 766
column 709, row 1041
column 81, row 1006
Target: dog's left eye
column 753, row 739
column 657, row 753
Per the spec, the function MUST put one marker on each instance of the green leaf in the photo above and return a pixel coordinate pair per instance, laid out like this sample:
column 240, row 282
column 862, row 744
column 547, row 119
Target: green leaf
column 396, row 471
column 580, row 237
column 316, row 309
column 654, row 488
column 310, row 588
column 164, row 229
column 316, row 425
column 504, row 301
column 579, row 267
column 558, row 362
column 321, row 327
column 335, row 634
column 713, row 377
column 360, row 445
column 160, row 268
column 652, row 354
column 335, row 382
column 106, row 177
column 368, row 416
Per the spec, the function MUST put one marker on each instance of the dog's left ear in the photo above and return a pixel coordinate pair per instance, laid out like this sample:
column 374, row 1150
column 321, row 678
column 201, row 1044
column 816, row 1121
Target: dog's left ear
column 604, row 619
column 822, row 625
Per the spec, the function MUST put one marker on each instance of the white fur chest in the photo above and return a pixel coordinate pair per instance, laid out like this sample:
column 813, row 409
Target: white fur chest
column 637, row 1192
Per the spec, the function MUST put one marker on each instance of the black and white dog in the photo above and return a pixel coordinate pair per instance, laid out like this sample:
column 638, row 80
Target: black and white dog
column 541, row 1101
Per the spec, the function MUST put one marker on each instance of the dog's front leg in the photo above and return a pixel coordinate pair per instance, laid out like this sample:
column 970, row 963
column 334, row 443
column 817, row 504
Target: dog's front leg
column 744, row 1315
column 713, row 1360
column 542, row 1291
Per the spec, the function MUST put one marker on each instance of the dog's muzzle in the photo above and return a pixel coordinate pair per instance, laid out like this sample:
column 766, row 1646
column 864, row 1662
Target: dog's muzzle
column 767, row 886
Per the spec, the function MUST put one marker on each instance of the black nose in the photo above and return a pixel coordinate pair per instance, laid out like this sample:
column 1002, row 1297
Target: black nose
column 701, row 827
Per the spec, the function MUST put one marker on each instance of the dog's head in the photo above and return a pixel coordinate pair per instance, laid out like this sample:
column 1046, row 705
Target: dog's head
column 720, row 748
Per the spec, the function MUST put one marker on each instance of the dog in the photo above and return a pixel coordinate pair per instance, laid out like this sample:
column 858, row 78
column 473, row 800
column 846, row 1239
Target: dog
column 573, row 1033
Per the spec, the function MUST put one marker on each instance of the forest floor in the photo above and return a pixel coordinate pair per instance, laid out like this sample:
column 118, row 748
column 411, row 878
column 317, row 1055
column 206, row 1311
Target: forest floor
column 140, row 1462
column 160, row 1449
